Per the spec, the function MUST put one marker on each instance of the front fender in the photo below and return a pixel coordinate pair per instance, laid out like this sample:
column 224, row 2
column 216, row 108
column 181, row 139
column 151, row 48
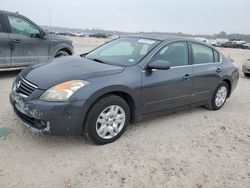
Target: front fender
column 112, row 89
column 128, row 82
column 91, row 97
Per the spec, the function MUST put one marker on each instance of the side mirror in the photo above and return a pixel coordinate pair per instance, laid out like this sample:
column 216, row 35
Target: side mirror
column 43, row 34
column 159, row 65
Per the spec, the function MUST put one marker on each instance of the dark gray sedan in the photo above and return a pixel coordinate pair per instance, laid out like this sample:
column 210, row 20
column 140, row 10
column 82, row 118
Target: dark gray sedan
column 22, row 42
column 99, row 93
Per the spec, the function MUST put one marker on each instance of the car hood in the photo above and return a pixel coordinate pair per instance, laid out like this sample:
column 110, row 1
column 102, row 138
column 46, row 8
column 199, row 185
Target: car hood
column 55, row 71
column 58, row 38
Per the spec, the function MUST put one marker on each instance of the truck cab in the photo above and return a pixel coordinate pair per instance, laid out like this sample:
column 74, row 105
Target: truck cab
column 22, row 42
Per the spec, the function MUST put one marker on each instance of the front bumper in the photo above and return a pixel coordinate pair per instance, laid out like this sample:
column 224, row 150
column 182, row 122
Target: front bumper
column 56, row 118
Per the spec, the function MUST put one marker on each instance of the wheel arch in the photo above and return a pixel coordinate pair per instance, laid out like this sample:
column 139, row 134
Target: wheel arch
column 61, row 46
column 122, row 92
column 65, row 50
column 229, row 83
column 130, row 101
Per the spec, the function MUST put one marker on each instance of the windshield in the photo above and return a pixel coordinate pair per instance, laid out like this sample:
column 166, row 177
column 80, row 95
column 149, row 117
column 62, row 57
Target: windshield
column 123, row 51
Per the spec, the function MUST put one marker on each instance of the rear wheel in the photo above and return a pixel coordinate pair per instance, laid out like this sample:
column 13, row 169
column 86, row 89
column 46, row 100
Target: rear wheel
column 61, row 53
column 107, row 120
column 219, row 97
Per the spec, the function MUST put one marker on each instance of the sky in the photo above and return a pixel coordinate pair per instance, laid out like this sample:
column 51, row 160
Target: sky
column 186, row 16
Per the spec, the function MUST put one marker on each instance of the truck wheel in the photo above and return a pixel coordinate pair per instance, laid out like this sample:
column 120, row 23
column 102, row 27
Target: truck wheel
column 61, row 53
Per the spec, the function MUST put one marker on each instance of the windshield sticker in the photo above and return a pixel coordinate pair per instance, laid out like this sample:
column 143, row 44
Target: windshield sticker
column 131, row 60
column 146, row 41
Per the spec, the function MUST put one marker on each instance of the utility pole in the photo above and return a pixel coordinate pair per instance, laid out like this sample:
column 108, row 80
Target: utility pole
column 49, row 21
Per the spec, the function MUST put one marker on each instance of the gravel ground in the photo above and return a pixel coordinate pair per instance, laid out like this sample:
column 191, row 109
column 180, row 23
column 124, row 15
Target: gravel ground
column 195, row 148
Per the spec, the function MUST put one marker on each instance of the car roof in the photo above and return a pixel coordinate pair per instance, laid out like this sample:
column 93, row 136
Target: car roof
column 159, row 37
column 7, row 12
column 167, row 38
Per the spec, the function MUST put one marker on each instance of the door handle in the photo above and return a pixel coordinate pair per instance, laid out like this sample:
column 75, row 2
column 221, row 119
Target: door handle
column 16, row 41
column 218, row 70
column 186, row 77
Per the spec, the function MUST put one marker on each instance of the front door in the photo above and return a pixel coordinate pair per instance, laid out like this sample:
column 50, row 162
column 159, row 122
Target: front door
column 164, row 89
column 27, row 44
column 4, row 46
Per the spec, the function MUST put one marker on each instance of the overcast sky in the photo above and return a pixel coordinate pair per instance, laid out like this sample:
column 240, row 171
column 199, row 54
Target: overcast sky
column 187, row 16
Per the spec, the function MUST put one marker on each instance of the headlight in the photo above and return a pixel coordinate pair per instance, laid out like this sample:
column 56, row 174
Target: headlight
column 63, row 91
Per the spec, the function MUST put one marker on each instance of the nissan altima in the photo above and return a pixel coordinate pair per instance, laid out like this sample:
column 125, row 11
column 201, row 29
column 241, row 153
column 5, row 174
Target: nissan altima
column 98, row 94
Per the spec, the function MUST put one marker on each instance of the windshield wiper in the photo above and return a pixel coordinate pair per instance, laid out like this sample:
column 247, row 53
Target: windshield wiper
column 97, row 60
column 83, row 55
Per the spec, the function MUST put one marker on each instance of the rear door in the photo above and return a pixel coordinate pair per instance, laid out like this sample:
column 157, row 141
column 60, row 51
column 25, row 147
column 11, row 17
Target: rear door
column 4, row 45
column 27, row 44
column 206, row 71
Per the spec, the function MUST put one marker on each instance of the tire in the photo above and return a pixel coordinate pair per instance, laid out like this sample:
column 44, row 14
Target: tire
column 213, row 105
column 99, row 119
column 247, row 74
column 61, row 53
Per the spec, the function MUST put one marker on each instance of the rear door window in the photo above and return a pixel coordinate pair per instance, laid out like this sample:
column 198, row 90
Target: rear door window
column 202, row 54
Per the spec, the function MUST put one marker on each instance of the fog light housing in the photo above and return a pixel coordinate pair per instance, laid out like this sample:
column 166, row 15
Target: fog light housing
column 41, row 124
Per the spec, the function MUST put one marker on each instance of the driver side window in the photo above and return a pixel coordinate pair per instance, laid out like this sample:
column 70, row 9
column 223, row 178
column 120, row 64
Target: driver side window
column 23, row 27
column 175, row 53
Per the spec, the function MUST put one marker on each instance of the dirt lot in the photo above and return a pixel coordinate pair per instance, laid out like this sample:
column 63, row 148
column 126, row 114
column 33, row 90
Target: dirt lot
column 196, row 148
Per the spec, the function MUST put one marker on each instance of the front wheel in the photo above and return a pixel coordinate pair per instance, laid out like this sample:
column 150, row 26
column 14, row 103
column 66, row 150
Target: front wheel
column 219, row 97
column 107, row 120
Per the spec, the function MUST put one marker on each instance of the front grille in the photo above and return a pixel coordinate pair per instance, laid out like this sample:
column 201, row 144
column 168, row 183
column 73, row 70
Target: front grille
column 32, row 122
column 25, row 87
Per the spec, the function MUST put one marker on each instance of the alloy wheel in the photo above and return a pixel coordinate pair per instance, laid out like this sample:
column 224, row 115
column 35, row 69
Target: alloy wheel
column 221, row 96
column 110, row 122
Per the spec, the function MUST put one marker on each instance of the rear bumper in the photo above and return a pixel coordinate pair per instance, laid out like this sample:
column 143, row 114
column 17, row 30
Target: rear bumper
column 235, row 79
column 246, row 70
column 55, row 118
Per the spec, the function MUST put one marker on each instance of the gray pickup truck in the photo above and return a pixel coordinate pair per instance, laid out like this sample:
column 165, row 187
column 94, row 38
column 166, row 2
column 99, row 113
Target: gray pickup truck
column 22, row 42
